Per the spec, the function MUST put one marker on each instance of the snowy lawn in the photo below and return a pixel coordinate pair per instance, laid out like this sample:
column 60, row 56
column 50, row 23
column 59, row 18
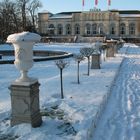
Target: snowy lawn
column 71, row 118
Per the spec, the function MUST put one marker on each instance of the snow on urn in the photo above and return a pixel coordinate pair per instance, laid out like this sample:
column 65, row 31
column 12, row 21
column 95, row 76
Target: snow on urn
column 23, row 44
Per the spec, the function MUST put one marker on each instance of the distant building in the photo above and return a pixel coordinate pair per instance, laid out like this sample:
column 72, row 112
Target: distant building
column 94, row 23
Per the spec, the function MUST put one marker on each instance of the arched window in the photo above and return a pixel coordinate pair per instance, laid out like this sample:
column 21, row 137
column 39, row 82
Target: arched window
column 132, row 29
column 112, row 29
column 122, row 29
column 77, row 29
column 59, row 29
column 100, row 29
column 51, row 29
column 68, row 29
column 88, row 29
column 94, row 29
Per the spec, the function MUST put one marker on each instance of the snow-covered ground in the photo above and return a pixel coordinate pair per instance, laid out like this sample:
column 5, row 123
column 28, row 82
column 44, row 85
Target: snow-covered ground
column 121, row 119
column 76, row 116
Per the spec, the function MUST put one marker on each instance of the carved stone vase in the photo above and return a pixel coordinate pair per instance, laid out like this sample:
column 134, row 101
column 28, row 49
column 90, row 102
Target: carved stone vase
column 23, row 45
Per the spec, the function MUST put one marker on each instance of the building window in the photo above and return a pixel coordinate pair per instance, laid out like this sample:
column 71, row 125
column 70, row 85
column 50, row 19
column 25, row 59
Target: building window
column 132, row 29
column 100, row 29
column 77, row 29
column 112, row 29
column 59, row 29
column 68, row 29
column 88, row 30
column 51, row 29
column 94, row 29
column 122, row 29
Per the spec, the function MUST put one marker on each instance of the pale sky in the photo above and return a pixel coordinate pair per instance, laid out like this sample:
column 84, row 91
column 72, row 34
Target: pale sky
column 56, row 6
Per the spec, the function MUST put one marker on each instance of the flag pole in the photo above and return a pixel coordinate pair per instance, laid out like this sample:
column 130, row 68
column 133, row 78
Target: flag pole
column 83, row 4
column 96, row 3
column 109, row 3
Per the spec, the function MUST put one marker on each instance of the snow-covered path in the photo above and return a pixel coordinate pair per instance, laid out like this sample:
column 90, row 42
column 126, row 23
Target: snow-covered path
column 121, row 118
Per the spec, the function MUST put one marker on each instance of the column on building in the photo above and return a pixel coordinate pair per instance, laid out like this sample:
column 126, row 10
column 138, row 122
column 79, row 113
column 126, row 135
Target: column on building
column 107, row 23
column 82, row 25
column 55, row 29
column 117, row 29
column 127, row 28
column 72, row 28
column 64, row 28
column 137, row 28
column 106, row 27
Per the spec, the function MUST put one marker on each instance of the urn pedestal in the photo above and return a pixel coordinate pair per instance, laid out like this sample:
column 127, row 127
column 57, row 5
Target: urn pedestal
column 25, row 104
column 95, row 61
column 110, row 51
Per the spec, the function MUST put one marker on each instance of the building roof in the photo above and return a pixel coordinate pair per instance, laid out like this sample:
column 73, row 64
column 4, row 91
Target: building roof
column 69, row 13
column 126, row 11
column 129, row 13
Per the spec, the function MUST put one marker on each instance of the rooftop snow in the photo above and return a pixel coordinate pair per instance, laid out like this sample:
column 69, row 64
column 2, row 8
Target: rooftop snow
column 61, row 16
column 129, row 15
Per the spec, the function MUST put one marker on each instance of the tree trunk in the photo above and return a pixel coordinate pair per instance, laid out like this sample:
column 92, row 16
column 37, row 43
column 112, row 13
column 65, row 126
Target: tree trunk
column 24, row 16
column 61, row 80
column 78, row 73
column 88, row 65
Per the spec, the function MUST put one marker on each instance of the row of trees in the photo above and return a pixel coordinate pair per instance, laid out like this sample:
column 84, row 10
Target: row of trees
column 17, row 15
column 61, row 64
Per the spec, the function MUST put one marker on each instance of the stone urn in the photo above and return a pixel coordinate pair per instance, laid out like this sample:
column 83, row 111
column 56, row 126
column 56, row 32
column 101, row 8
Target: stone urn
column 23, row 45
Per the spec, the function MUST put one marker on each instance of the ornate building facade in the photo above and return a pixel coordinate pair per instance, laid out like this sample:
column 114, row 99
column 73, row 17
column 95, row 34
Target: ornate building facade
column 111, row 24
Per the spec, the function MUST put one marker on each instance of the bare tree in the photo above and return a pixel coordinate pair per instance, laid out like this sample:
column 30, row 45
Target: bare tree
column 8, row 12
column 61, row 64
column 87, row 52
column 78, row 58
column 26, row 8
column 14, row 15
column 32, row 8
column 22, row 4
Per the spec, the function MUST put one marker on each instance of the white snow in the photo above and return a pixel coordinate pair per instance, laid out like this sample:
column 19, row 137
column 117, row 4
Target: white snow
column 23, row 36
column 121, row 119
column 130, row 15
column 60, row 16
column 77, row 115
